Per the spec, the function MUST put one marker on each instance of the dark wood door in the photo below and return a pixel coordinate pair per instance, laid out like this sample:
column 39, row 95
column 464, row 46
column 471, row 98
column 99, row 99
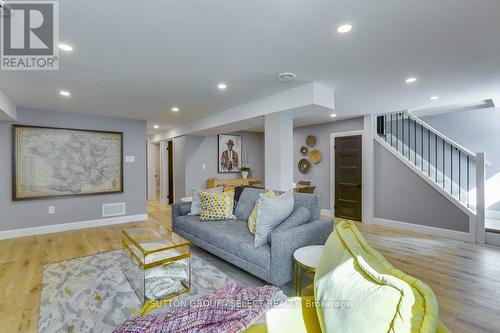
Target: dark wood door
column 348, row 173
column 170, row 162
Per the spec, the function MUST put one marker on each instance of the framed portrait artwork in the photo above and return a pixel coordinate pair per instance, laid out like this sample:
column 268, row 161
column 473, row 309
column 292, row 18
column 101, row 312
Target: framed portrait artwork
column 229, row 153
column 57, row 162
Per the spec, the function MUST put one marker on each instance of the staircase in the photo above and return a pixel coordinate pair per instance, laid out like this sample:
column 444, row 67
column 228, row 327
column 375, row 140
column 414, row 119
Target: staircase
column 449, row 167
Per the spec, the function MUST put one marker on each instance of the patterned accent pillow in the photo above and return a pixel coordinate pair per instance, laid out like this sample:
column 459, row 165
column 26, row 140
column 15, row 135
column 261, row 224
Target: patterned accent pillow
column 217, row 206
column 252, row 220
column 196, row 204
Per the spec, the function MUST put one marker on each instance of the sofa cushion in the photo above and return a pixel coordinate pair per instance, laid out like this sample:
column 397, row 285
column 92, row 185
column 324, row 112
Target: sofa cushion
column 229, row 235
column 382, row 298
column 196, row 203
column 312, row 202
column 271, row 211
column 185, row 209
column 246, row 202
column 299, row 217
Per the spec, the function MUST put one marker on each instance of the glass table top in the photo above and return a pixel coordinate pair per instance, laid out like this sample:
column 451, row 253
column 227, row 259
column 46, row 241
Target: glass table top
column 154, row 238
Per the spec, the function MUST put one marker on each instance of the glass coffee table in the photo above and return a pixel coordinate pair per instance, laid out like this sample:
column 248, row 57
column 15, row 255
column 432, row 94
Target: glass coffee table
column 156, row 263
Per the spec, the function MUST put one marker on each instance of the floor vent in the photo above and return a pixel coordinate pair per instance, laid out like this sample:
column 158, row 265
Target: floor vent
column 114, row 209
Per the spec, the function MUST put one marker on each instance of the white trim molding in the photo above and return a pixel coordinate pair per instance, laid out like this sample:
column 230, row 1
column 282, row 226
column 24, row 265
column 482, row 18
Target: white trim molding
column 364, row 162
column 326, row 212
column 457, row 235
column 47, row 229
column 493, row 238
column 438, row 188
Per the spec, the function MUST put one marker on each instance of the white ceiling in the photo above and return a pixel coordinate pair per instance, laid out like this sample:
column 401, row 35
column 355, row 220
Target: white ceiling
column 138, row 59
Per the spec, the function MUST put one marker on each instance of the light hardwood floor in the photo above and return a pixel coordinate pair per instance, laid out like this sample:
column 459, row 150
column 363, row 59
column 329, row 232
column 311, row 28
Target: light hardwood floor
column 465, row 277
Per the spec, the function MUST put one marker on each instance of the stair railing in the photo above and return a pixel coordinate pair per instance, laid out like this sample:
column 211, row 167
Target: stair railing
column 444, row 161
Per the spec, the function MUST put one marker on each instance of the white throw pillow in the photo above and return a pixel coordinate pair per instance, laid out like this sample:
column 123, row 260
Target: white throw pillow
column 196, row 204
column 271, row 212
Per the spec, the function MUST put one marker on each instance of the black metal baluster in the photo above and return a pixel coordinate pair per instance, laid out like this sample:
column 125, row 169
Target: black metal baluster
column 392, row 133
column 451, row 163
column 421, row 147
column 403, row 133
column 397, row 132
column 428, row 153
column 444, row 167
column 435, row 157
column 468, row 183
column 415, row 141
column 409, row 139
column 459, row 175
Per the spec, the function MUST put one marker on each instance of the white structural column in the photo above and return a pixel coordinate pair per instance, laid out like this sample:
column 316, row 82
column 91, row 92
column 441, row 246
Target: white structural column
column 368, row 209
column 279, row 151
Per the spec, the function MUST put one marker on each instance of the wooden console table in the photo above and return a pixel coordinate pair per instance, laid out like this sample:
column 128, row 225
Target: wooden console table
column 214, row 182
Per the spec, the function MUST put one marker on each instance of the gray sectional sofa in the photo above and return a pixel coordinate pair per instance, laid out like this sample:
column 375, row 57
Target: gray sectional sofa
column 232, row 241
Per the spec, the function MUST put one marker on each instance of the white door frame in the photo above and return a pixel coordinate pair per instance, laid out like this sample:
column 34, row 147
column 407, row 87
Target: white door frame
column 163, row 172
column 332, row 169
column 151, row 170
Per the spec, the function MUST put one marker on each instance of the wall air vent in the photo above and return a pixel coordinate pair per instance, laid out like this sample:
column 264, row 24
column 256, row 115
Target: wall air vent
column 114, row 209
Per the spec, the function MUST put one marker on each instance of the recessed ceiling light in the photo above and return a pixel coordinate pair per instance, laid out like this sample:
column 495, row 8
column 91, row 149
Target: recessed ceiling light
column 65, row 47
column 411, row 80
column 344, row 28
column 156, row 126
column 333, row 115
column 175, row 109
column 434, row 98
column 222, row 86
column 64, row 93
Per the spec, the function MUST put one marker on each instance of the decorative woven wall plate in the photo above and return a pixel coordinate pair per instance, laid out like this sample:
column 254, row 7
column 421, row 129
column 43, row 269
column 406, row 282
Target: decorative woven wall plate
column 315, row 156
column 304, row 166
column 304, row 150
column 311, row 140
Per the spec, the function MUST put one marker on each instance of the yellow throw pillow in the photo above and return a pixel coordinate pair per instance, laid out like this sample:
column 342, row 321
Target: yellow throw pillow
column 252, row 220
column 217, row 206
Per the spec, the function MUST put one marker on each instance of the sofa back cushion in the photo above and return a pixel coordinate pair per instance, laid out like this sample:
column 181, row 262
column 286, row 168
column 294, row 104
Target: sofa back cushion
column 299, row 217
column 381, row 298
column 312, row 202
column 246, row 202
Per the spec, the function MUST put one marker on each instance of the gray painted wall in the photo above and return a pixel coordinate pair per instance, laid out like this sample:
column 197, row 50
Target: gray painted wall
column 191, row 152
column 319, row 174
column 401, row 195
column 16, row 215
column 478, row 131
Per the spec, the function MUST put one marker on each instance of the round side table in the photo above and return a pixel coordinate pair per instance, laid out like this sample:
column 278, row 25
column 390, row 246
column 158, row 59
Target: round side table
column 306, row 259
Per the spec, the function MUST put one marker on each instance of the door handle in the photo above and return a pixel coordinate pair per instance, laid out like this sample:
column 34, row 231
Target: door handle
column 358, row 185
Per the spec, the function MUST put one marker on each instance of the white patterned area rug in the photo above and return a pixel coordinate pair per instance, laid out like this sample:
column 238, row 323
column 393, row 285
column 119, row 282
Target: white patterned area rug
column 91, row 294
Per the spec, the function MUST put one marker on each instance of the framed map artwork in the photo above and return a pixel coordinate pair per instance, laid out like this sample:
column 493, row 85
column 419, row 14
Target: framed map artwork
column 55, row 162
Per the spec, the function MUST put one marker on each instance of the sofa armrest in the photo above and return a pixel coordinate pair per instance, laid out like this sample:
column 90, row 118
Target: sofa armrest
column 284, row 243
column 179, row 209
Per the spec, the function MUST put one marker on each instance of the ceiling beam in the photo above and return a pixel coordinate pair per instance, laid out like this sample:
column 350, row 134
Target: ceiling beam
column 292, row 100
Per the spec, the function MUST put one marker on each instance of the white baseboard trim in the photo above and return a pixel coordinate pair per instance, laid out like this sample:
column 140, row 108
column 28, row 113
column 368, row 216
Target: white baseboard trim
column 47, row 229
column 458, row 235
column 326, row 212
column 493, row 238
column 492, row 214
